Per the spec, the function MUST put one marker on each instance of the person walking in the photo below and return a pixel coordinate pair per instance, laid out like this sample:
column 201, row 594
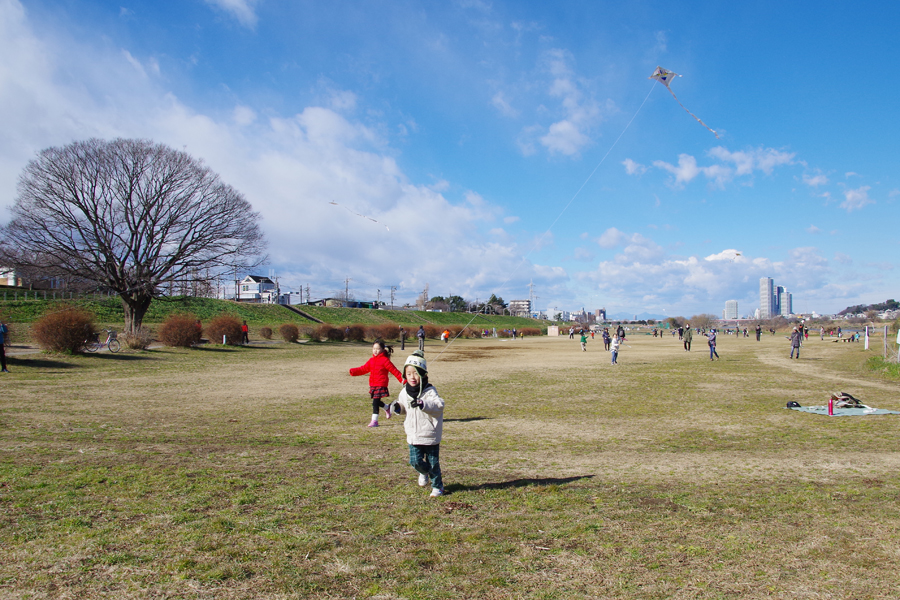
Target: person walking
column 245, row 333
column 402, row 339
column 421, row 335
column 758, row 332
column 424, row 423
column 796, row 342
column 378, row 367
column 606, row 339
column 711, row 340
column 688, row 336
column 583, row 340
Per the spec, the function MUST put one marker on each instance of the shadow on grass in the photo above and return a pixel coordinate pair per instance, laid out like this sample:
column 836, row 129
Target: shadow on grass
column 119, row 357
column 38, row 363
column 466, row 420
column 220, row 348
column 515, row 483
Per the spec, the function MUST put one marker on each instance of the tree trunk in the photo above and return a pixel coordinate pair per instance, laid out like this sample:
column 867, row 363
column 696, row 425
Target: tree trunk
column 135, row 308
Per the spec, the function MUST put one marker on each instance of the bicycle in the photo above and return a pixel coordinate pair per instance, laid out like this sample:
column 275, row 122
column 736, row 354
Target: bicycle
column 94, row 343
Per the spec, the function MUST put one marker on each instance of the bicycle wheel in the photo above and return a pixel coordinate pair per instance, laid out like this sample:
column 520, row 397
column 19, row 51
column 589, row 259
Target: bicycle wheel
column 113, row 345
column 92, row 346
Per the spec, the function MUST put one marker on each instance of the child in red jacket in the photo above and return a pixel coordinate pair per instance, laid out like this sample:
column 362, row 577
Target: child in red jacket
column 378, row 368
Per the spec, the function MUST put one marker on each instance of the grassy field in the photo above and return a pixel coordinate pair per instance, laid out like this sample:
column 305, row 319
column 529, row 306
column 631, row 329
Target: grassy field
column 249, row 473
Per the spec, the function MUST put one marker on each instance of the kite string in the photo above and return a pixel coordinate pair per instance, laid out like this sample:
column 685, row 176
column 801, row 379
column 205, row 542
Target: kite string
column 503, row 285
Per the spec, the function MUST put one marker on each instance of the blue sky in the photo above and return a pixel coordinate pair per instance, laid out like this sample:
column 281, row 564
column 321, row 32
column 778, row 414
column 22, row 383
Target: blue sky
column 494, row 144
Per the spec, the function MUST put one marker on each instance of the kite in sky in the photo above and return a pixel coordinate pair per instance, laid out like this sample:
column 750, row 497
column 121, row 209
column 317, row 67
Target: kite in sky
column 359, row 215
column 663, row 76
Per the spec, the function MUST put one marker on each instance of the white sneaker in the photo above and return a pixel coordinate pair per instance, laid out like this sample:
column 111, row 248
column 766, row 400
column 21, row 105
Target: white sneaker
column 437, row 492
column 423, row 480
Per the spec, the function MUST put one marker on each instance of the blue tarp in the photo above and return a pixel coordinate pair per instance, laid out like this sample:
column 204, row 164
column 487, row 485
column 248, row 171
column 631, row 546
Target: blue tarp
column 845, row 412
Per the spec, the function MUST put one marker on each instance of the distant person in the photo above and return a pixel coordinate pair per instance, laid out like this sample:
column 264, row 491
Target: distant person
column 606, row 339
column 796, row 341
column 4, row 331
column 822, row 333
column 688, row 336
column 445, row 335
column 614, row 349
column 711, row 340
column 583, row 341
column 620, row 333
column 680, row 333
column 245, row 333
column 758, row 332
column 378, row 367
column 421, row 335
column 402, row 339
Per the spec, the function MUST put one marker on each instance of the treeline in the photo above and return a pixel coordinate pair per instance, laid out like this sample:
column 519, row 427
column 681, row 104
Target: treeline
column 862, row 308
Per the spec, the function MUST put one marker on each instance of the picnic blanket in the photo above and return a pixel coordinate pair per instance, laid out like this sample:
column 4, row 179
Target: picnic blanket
column 847, row 411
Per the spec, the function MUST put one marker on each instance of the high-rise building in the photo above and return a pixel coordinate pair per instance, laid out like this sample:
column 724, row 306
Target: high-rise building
column 766, row 298
column 731, row 309
column 787, row 307
column 779, row 296
column 773, row 300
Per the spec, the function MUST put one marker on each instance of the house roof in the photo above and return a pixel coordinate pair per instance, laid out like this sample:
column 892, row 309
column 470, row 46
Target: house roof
column 258, row 279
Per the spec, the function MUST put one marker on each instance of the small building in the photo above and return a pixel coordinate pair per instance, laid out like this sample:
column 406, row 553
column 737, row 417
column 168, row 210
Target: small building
column 258, row 289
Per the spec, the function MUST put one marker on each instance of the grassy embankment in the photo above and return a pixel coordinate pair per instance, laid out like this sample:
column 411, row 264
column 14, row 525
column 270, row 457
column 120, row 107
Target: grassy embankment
column 108, row 313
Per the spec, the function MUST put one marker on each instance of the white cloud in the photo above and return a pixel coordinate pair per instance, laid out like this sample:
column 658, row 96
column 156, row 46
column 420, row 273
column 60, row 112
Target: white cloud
column 611, row 238
column 244, row 115
column 745, row 163
column 244, row 11
column 634, row 168
column 815, row 180
column 578, row 112
column 813, row 229
column 842, row 258
column 856, row 199
column 500, row 102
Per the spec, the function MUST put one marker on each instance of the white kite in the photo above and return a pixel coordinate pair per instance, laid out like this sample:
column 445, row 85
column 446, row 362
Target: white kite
column 359, row 215
column 663, row 76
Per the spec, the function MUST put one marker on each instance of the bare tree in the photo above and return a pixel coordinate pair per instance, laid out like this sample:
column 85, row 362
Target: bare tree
column 704, row 321
column 130, row 216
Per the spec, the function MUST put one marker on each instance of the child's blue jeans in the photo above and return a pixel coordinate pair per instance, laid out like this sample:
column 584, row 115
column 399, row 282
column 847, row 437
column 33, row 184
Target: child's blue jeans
column 426, row 460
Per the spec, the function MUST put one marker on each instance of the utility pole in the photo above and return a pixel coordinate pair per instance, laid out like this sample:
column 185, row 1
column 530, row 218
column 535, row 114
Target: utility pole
column 378, row 301
column 393, row 289
column 346, row 291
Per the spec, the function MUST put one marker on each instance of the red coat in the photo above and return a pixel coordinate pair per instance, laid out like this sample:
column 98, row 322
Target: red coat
column 378, row 368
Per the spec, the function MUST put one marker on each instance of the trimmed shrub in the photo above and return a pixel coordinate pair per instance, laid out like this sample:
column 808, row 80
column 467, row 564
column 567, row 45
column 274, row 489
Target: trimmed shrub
column 326, row 332
column 355, row 333
column 384, row 331
column 530, row 331
column 289, row 332
column 180, row 331
column 138, row 341
column 226, row 326
column 265, row 333
column 66, row 331
column 432, row 331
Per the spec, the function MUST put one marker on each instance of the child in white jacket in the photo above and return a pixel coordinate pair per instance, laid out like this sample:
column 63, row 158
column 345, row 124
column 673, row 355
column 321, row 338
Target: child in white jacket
column 424, row 422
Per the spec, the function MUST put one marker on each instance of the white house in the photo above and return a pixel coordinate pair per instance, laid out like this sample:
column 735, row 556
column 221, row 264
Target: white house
column 259, row 289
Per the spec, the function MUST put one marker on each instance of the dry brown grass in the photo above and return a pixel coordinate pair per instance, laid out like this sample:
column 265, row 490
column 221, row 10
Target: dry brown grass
column 249, row 473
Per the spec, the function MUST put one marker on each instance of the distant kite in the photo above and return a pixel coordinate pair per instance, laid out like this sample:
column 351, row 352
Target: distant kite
column 663, row 76
column 359, row 215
